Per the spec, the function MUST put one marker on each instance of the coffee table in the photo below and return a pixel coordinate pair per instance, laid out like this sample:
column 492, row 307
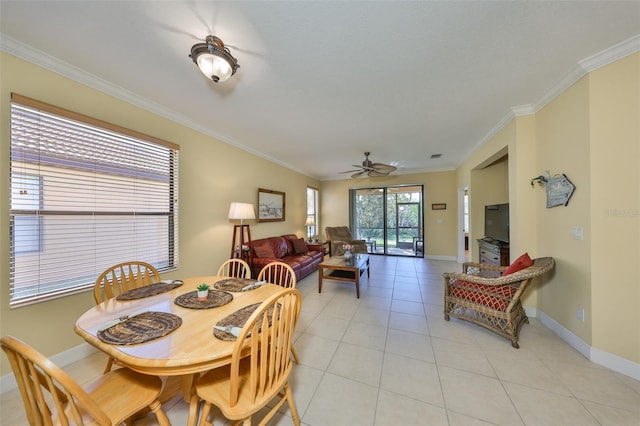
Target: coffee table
column 340, row 269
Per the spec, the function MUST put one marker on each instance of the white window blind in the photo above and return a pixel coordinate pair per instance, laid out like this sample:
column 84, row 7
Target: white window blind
column 85, row 195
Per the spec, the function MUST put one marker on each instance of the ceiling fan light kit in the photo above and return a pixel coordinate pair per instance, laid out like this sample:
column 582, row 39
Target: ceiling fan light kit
column 371, row 169
column 214, row 59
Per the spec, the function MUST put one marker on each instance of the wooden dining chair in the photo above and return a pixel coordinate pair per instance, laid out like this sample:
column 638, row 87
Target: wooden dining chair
column 260, row 365
column 121, row 278
column 283, row 275
column 278, row 273
column 236, row 268
column 51, row 396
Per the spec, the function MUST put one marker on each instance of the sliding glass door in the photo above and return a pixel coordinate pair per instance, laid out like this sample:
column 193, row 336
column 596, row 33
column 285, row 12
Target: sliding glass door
column 389, row 218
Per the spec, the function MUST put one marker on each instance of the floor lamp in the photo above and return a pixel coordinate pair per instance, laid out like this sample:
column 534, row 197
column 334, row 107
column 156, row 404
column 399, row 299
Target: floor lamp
column 240, row 211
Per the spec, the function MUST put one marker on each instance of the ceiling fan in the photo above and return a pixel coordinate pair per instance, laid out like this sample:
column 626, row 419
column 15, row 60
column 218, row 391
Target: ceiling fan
column 371, row 169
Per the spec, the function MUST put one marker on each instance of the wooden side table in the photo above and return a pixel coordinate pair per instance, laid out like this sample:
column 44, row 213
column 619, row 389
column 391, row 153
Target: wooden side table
column 324, row 244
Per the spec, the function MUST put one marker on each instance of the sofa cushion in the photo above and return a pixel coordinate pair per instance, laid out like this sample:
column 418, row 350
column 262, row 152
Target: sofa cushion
column 493, row 296
column 281, row 247
column 299, row 246
column 263, row 249
column 519, row 264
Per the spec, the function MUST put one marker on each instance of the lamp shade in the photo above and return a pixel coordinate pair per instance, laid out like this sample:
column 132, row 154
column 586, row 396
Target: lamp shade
column 241, row 211
column 310, row 221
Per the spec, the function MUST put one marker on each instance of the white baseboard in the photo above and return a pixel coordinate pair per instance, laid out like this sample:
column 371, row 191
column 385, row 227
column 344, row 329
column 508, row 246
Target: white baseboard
column 595, row 355
column 436, row 257
column 8, row 382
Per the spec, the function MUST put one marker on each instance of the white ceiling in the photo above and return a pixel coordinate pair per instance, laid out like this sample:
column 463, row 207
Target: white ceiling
column 320, row 82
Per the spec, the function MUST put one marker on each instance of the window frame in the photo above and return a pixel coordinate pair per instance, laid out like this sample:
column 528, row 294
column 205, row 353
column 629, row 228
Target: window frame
column 158, row 171
column 312, row 209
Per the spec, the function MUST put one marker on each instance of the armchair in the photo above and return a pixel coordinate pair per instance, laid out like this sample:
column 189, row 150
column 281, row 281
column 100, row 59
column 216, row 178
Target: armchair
column 493, row 303
column 339, row 235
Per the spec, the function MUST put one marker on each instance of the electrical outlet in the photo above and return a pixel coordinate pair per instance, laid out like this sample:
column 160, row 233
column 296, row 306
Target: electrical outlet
column 580, row 314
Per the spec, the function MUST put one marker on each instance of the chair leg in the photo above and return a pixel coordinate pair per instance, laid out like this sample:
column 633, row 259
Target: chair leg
column 204, row 419
column 156, row 408
column 295, row 354
column 292, row 405
column 108, row 366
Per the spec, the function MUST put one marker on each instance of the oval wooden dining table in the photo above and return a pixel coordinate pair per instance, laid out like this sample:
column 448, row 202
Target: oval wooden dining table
column 186, row 351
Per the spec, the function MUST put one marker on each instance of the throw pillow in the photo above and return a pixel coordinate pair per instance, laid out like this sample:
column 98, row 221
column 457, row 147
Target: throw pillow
column 299, row 246
column 519, row 264
column 263, row 250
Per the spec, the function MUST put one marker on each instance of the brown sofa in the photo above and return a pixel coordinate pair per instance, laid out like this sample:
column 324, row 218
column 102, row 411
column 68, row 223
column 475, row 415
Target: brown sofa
column 302, row 257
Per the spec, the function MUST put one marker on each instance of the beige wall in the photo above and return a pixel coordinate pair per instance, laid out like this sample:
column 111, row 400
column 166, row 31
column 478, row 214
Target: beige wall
column 212, row 174
column 439, row 187
column 614, row 99
column 591, row 133
column 562, row 134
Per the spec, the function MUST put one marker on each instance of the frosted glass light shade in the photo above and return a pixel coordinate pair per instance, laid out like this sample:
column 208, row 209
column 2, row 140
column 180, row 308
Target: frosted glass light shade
column 213, row 66
column 213, row 59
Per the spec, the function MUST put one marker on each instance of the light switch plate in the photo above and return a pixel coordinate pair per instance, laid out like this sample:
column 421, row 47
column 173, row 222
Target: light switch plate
column 577, row 233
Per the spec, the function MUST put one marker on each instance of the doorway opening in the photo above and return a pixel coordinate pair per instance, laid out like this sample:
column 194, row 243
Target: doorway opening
column 390, row 219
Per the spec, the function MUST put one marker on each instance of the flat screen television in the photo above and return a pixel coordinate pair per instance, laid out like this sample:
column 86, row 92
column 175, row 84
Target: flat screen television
column 496, row 222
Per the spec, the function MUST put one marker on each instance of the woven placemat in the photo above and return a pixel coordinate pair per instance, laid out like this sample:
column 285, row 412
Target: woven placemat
column 214, row 299
column 140, row 328
column 234, row 284
column 149, row 290
column 238, row 319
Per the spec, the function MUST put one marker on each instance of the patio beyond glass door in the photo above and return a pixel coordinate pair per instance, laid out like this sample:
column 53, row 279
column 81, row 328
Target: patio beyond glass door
column 389, row 219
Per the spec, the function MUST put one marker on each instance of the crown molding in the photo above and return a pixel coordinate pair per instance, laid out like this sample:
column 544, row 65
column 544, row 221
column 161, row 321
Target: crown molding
column 612, row 54
column 44, row 60
column 582, row 68
column 587, row 65
column 48, row 62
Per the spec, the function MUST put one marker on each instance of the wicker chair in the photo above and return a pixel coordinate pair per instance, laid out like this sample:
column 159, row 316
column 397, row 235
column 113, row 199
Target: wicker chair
column 493, row 303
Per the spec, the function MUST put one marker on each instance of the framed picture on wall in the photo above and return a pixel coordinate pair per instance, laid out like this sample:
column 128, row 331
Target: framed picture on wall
column 439, row 206
column 271, row 205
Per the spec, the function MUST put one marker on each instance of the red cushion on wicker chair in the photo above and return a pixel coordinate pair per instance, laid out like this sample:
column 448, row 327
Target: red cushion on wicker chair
column 519, row 264
column 493, row 296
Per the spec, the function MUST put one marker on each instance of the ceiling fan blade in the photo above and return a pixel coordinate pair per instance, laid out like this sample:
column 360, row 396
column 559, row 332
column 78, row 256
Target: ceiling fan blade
column 374, row 173
column 356, row 175
column 363, row 167
column 383, row 168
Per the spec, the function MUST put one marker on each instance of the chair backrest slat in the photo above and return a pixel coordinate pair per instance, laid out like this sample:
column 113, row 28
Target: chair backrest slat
column 278, row 273
column 269, row 334
column 235, row 268
column 123, row 277
column 49, row 394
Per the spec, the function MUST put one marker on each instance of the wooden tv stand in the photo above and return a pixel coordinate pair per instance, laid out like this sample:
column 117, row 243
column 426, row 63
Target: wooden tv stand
column 493, row 252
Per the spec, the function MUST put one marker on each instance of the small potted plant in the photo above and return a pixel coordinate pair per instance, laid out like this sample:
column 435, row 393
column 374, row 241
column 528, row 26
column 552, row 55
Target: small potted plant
column 203, row 291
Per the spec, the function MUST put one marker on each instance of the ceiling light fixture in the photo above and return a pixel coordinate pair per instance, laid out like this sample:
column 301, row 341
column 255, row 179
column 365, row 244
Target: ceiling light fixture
column 214, row 59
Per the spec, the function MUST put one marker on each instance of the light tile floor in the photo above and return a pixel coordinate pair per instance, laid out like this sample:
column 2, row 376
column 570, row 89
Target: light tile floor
column 389, row 358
